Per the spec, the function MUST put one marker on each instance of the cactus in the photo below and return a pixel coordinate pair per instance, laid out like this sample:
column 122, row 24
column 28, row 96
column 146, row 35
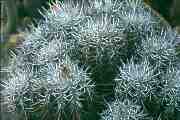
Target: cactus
column 54, row 85
column 136, row 81
column 125, row 110
column 84, row 55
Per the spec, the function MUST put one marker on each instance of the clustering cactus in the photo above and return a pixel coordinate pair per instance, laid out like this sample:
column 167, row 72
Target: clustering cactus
column 130, row 54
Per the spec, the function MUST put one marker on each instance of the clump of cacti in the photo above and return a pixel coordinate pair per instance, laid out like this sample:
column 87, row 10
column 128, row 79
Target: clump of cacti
column 84, row 54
